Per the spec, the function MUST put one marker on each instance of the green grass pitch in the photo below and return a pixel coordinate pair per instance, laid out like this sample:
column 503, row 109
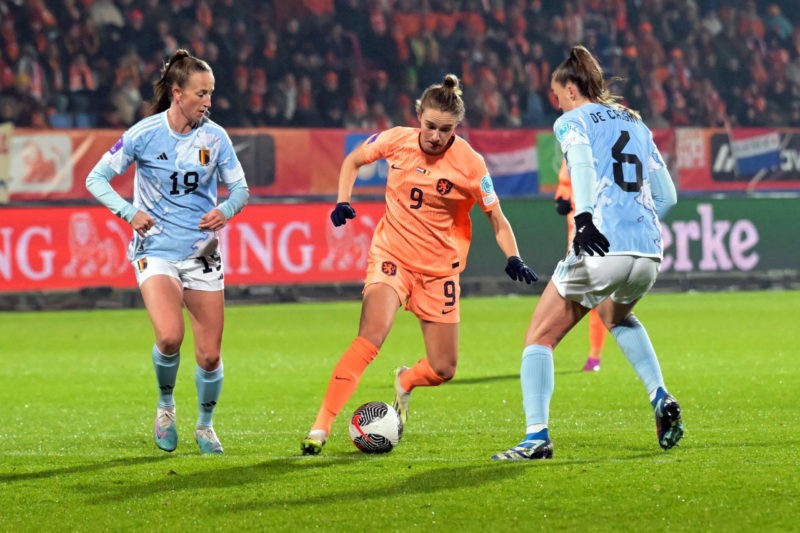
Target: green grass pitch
column 78, row 396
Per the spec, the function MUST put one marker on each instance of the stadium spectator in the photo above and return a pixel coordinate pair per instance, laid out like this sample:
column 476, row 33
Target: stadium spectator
column 232, row 106
column 381, row 91
column 380, row 120
column 220, row 35
column 353, row 16
column 8, row 34
column 357, row 115
column 274, row 115
column 306, row 114
column 29, row 67
column 82, row 85
column 138, row 35
column 342, row 50
column 331, row 101
column 650, row 51
column 404, row 113
column 20, row 106
column 126, row 99
column 284, row 96
column 427, row 66
column 415, row 41
column 775, row 23
column 105, row 13
column 749, row 23
column 378, row 46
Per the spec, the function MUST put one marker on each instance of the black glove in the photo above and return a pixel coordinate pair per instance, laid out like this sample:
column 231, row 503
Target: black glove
column 519, row 271
column 588, row 237
column 563, row 207
column 341, row 213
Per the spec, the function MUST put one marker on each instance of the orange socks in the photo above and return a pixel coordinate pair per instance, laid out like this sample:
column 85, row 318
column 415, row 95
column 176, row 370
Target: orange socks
column 597, row 333
column 420, row 375
column 346, row 375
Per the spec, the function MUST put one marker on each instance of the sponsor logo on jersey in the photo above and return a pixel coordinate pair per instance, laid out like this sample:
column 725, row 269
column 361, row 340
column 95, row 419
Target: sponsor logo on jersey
column 444, row 186
column 389, row 268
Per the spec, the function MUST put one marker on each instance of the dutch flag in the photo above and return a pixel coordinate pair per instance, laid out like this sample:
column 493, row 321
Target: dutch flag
column 755, row 149
column 511, row 159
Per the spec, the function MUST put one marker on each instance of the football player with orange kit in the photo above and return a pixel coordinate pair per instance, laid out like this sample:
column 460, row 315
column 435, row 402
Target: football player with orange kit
column 419, row 248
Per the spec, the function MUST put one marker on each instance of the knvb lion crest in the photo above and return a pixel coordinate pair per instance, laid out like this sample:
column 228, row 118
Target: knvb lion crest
column 444, row 186
column 389, row 268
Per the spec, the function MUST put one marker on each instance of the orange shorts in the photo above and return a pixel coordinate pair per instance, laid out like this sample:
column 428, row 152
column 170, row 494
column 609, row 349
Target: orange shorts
column 431, row 298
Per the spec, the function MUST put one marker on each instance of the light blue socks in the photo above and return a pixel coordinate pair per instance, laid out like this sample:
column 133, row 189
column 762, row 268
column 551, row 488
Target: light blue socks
column 537, row 377
column 166, row 367
column 209, row 386
column 635, row 344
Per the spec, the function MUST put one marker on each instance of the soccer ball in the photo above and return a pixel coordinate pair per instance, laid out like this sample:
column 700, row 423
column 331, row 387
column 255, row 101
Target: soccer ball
column 375, row 427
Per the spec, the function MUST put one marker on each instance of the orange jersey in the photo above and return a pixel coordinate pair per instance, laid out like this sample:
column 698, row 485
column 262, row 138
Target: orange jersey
column 564, row 190
column 426, row 226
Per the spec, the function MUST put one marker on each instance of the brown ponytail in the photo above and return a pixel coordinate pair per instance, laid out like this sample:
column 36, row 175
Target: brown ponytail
column 176, row 71
column 583, row 69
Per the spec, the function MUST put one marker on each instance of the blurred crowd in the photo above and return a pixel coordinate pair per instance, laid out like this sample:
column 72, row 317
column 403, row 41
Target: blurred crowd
column 362, row 63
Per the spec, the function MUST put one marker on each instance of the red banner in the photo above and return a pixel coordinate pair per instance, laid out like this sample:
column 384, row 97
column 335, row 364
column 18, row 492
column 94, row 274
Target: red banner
column 53, row 164
column 64, row 248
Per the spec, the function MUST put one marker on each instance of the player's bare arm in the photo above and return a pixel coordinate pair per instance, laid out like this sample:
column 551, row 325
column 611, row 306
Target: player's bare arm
column 348, row 174
column 503, row 232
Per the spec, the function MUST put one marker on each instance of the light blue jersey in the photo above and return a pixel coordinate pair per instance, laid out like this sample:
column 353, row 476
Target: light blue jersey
column 625, row 159
column 175, row 183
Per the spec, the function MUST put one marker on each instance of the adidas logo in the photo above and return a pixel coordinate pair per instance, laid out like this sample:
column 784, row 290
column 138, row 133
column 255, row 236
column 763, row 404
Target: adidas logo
column 163, row 156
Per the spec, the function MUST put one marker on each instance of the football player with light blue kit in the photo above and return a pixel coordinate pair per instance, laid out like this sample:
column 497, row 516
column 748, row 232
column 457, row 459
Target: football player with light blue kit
column 180, row 155
column 622, row 190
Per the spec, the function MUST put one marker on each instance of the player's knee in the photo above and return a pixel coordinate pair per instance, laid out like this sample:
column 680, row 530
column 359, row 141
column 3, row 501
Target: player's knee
column 208, row 362
column 169, row 344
